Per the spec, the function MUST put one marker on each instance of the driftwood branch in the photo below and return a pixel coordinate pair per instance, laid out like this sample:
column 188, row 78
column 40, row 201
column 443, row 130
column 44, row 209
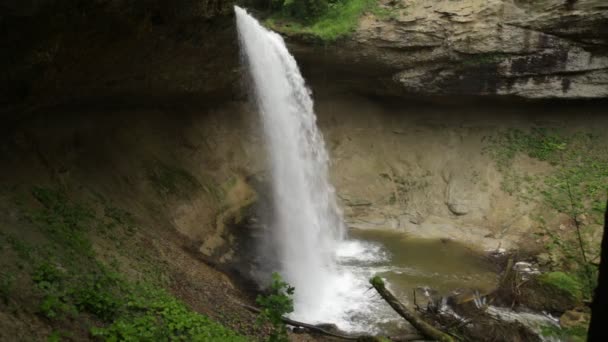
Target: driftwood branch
column 332, row 334
column 423, row 327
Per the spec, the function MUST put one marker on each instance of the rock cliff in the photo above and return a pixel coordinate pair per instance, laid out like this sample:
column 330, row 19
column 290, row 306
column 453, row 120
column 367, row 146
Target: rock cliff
column 529, row 49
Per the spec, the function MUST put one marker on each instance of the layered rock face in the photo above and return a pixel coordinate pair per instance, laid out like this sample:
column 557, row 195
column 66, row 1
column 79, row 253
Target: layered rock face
column 529, row 49
column 60, row 51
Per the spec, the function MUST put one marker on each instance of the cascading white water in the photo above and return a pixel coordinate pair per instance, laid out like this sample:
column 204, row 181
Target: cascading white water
column 307, row 222
column 308, row 232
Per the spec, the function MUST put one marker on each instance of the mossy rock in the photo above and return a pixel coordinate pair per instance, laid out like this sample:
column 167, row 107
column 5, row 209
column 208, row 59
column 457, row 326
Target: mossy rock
column 555, row 292
column 563, row 282
column 571, row 334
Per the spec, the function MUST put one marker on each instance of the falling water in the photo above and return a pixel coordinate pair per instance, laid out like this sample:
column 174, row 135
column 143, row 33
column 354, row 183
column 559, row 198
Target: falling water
column 307, row 225
column 330, row 274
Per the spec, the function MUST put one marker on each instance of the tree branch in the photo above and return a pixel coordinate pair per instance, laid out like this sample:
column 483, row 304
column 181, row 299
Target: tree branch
column 329, row 333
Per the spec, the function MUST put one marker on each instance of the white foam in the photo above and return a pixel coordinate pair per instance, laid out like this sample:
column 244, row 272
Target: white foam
column 354, row 306
column 362, row 252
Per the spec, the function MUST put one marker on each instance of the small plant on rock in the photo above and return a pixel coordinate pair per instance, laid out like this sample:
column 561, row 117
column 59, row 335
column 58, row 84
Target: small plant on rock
column 274, row 305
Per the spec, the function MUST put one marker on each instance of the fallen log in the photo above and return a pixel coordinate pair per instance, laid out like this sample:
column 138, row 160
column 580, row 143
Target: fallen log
column 423, row 327
column 311, row 327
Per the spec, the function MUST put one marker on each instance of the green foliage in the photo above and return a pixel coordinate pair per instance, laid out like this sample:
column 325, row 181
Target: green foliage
column 563, row 282
column 55, row 307
column 304, row 10
column 576, row 187
column 63, row 221
column 100, row 293
column 55, row 336
column 151, row 314
column 70, row 281
column 540, row 143
column 338, row 19
column 573, row 334
column 276, row 304
column 51, row 281
column 47, row 275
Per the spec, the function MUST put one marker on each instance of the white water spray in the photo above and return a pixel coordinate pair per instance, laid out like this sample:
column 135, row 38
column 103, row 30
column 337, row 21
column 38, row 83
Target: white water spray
column 307, row 223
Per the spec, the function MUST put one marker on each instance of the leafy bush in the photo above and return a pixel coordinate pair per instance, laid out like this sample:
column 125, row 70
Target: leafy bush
column 98, row 295
column 71, row 280
column 327, row 22
column 51, row 281
column 276, row 304
column 152, row 314
column 54, row 306
column 304, row 10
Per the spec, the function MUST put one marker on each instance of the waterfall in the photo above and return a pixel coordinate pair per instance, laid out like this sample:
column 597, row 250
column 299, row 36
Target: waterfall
column 307, row 226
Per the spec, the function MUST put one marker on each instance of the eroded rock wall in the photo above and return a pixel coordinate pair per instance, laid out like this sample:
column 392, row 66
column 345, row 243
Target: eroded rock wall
column 431, row 170
column 528, row 49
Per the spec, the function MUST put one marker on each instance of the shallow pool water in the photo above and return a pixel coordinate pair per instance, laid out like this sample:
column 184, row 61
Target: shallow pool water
column 406, row 263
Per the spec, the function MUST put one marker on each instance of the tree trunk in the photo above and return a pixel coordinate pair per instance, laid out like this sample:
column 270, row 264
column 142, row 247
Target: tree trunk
column 599, row 308
column 423, row 327
column 314, row 328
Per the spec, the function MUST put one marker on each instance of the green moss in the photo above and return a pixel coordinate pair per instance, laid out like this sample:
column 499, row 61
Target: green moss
column 573, row 334
column 563, row 282
column 377, row 281
column 170, row 179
